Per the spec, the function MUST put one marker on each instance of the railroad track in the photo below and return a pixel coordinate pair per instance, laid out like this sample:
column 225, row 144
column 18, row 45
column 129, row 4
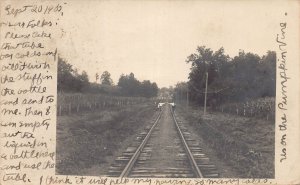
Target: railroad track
column 177, row 154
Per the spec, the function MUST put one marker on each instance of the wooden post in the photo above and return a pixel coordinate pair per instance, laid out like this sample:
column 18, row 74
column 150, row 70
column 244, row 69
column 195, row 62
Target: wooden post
column 205, row 97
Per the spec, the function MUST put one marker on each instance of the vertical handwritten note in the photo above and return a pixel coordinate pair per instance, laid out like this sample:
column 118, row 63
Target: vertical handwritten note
column 283, row 98
column 28, row 57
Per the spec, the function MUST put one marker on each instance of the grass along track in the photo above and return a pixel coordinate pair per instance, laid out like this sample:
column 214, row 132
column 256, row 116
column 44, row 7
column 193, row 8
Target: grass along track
column 240, row 146
column 87, row 143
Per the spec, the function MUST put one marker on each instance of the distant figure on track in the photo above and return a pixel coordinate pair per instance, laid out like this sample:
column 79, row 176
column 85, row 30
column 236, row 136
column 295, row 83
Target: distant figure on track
column 159, row 106
column 173, row 106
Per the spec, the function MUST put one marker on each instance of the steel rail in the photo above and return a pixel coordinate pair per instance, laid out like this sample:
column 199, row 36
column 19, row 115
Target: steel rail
column 188, row 151
column 135, row 156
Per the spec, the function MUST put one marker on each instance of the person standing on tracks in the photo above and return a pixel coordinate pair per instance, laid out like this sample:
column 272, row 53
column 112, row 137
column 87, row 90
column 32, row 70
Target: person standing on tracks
column 159, row 106
column 173, row 106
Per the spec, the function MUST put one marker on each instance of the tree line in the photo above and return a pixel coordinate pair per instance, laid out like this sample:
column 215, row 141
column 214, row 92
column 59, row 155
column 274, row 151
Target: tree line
column 244, row 77
column 70, row 80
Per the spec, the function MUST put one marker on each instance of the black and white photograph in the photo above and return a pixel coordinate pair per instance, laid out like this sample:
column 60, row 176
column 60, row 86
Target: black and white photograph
column 167, row 89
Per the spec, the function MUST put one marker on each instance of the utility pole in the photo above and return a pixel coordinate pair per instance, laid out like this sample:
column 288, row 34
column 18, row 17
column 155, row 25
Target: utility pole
column 187, row 97
column 205, row 97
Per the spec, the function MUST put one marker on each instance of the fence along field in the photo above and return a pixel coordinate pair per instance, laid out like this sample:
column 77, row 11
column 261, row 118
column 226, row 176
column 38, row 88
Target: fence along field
column 69, row 103
column 263, row 108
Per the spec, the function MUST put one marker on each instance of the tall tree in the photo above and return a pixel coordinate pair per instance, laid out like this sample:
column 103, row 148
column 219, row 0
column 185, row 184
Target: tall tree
column 69, row 79
column 64, row 75
column 202, row 62
column 246, row 76
column 130, row 86
column 106, row 79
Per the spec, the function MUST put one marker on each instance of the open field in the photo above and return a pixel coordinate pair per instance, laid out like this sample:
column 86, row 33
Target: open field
column 262, row 108
column 88, row 142
column 69, row 103
column 245, row 144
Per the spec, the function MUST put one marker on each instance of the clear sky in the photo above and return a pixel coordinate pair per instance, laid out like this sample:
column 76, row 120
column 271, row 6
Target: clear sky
column 153, row 38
